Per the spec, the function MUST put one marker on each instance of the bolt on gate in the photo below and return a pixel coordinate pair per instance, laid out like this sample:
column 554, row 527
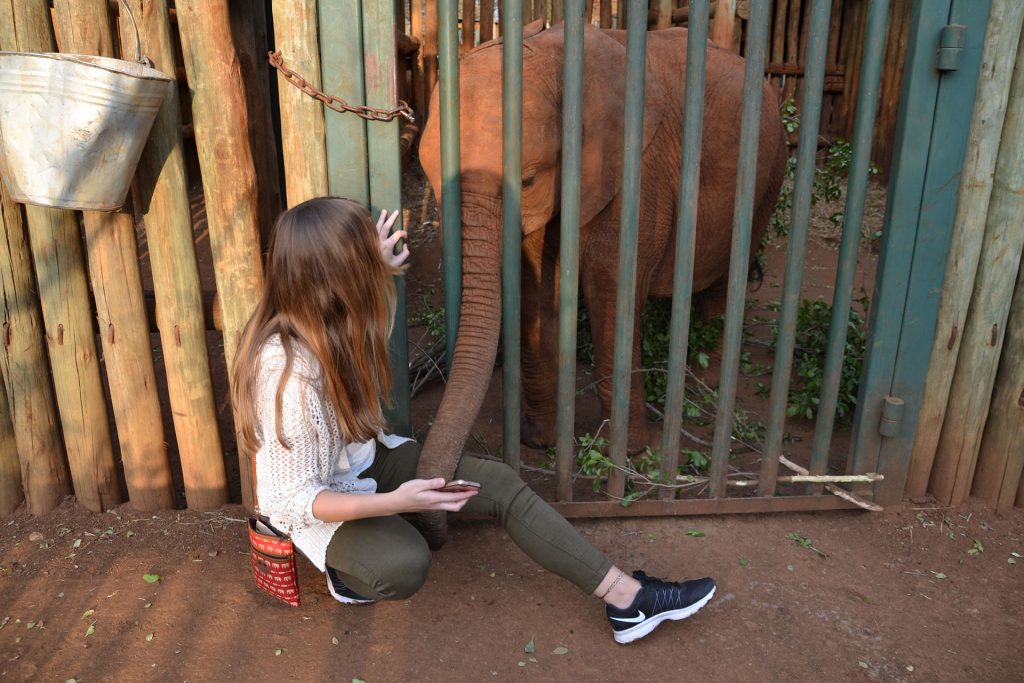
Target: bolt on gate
column 940, row 74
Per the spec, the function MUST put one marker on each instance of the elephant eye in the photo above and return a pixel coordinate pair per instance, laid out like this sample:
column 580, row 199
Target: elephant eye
column 527, row 182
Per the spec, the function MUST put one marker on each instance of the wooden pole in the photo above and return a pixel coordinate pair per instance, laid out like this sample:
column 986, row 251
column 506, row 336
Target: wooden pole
column 978, row 360
column 723, row 25
column 486, row 20
column 179, row 312
column 420, row 94
column 221, row 123
column 302, row 117
column 428, row 50
column 26, row 370
column 11, row 493
column 468, row 26
column 965, row 249
column 606, row 13
column 1001, row 458
column 84, row 26
column 249, row 27
column 67, row 316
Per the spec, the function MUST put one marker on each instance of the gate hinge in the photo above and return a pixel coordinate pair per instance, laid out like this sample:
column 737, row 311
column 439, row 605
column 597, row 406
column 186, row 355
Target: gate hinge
column 892, row 417
column 951, row 47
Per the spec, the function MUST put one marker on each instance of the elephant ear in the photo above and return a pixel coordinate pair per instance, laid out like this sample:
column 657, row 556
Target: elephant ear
column 604, row 98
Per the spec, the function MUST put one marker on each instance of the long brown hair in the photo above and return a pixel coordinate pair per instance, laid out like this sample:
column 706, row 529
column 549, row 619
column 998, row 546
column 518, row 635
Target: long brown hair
column 328, row 289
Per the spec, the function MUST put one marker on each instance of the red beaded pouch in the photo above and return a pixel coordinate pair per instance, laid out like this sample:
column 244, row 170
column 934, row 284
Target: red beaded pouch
column 273, row 561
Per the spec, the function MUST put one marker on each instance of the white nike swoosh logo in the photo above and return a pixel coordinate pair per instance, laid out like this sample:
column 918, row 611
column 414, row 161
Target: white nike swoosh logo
column 632, row 620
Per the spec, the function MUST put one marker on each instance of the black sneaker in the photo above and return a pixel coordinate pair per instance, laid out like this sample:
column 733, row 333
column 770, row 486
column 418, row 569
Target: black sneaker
column 657, row 601
column 343, row 593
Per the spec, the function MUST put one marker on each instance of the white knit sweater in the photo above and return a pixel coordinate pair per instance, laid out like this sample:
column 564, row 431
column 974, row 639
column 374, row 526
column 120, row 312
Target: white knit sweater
column 318, row 458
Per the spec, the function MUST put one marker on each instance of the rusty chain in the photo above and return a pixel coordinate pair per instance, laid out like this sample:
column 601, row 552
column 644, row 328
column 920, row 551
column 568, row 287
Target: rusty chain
column 336, row 103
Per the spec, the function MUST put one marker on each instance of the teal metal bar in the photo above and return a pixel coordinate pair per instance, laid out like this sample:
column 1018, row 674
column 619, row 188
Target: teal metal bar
column 739, row 261
column 935, row 114
column 569, row 258
column 867, row 105
column 451, row 178
column 810, row 118
column 512, row 203
column 625, row 302
column 686, row 229
column 385, row 173
column 341, row 68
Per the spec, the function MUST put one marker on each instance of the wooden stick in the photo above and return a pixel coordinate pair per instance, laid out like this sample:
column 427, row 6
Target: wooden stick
column 429, row 52
column 67, row 317
column 723, row 25
column 419, row 83
column 814, row 479
column 976, row 370
column 486, row 20
column 1001, row 458
column 835, row 490
column 120, row 304
column 179, row 312
column 468, row 26
column 26, row 370
column 302, row 117
column 11, row 493
column 249, row 27
column 229, row 175
column 606, row 13
column 965, row 250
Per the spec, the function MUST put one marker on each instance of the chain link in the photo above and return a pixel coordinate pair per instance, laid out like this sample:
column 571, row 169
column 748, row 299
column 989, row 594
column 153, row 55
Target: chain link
column 336, row 103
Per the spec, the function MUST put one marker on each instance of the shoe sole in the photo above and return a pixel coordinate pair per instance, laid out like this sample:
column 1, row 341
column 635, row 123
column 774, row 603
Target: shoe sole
column 344, row 600
column 644, row 628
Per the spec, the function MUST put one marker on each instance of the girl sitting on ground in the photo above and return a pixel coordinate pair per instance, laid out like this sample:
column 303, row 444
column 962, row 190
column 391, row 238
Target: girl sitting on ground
column 310, row 375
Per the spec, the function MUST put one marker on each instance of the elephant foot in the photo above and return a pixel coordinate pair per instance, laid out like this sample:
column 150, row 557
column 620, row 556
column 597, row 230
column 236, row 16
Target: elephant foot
column 433, row 526
column 537, row 434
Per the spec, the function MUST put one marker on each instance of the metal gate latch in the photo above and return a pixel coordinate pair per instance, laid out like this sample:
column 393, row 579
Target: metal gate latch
column 892, row 417
column 951, row 47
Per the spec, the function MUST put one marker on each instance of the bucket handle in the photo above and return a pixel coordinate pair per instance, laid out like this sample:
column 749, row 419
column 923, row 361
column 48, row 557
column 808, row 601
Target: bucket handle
column 138, row 41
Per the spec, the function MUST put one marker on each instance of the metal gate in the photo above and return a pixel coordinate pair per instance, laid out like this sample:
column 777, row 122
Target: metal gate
column 940, row 75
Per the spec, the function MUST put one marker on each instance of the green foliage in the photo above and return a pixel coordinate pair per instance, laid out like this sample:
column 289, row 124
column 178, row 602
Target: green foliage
column 431, row 316
column 813, row 322
column 829, row 175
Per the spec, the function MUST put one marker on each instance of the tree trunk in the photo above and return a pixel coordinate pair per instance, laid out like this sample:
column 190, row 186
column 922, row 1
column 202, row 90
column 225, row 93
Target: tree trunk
column 84, row 26
column 221, row 123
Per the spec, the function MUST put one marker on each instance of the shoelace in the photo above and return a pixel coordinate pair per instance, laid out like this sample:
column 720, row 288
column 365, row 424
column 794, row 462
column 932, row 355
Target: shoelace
column 667, row 595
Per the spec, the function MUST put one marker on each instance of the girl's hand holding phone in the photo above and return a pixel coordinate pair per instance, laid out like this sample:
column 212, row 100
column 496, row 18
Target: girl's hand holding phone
column 388, row 242
column 422, row 495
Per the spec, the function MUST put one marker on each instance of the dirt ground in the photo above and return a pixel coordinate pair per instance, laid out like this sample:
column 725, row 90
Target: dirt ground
column 915, row 593
column 892, row 596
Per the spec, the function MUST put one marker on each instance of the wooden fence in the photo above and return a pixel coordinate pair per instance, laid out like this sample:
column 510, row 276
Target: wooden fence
column 86, row 378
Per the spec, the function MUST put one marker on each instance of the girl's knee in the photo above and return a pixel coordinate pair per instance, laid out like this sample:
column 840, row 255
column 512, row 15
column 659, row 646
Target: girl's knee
column 406, row 575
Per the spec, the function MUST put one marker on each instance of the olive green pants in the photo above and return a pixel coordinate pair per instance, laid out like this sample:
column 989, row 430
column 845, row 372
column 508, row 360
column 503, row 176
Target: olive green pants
column 386, row 558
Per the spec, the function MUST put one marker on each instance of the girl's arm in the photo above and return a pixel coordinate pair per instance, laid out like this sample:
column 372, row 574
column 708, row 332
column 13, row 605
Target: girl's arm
column 415, row 495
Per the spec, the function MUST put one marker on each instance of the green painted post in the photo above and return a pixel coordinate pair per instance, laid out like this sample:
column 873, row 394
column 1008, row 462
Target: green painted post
column 625, row 301
column 915, row 118
column 927, row 268
column 385, row 168
column 810, row 117
column 867, row 101
column 512, row 203
column 341, row 60
column 686, row 229
column 451, row 180
column 739, row 261
column 569, row 258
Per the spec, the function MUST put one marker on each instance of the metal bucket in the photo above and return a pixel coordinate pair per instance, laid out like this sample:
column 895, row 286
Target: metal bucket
column 72, row 127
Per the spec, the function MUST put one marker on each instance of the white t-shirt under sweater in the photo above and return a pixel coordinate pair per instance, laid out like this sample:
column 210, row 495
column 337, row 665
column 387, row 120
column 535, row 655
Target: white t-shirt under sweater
column 319, row 459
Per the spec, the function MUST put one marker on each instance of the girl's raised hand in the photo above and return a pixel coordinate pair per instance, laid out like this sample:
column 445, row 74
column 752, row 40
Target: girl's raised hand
column 421, row 495
column 388, row 242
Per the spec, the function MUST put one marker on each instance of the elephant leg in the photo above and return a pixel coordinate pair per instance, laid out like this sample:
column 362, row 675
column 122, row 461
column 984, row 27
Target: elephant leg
column 539, row 310
column 599, row 293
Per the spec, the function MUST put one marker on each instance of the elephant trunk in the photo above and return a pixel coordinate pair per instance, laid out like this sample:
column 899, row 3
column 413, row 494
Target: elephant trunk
column 475, row 351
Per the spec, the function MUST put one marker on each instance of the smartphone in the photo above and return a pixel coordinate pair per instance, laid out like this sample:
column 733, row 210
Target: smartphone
column 458, row 486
